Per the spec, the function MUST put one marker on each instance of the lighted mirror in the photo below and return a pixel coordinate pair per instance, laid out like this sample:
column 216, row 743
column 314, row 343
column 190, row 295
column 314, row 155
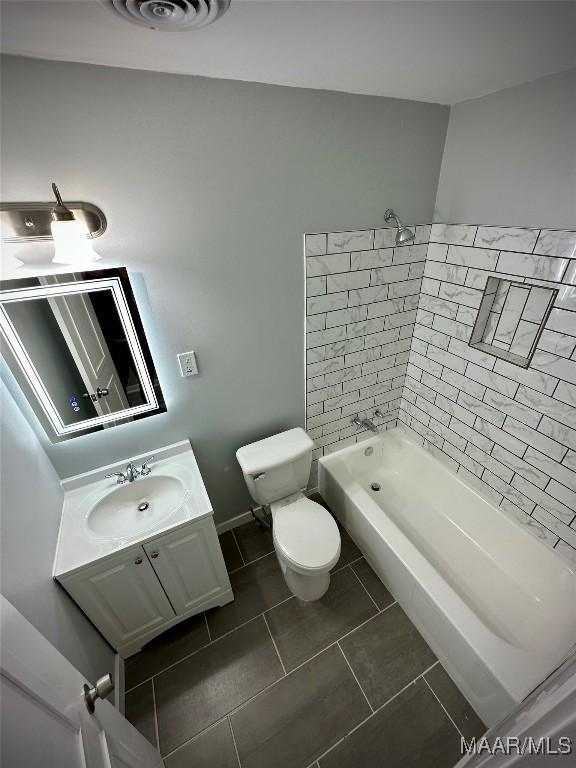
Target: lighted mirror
column 76, row 345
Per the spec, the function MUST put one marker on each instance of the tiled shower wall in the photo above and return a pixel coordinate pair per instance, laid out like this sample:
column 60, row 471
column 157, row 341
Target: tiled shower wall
column 362, row 294
column 508, row 431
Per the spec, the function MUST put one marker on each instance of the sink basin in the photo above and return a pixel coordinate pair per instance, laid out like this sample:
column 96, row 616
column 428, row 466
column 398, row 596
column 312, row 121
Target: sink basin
column 130, row 510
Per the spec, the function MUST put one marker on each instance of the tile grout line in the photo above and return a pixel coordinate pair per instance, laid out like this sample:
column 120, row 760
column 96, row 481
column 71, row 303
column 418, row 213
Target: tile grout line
column 274, row 644
column 234, row 740
column 448, row 715
column 251, row 562
column 195, row 737
column 355, row 677
column 376, row 711
column 207, row 645
column 238, row 546
column 155, row 715
column 365, row 588
column 207, row 629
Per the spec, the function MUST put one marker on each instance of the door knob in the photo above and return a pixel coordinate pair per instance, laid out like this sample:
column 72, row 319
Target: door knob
column 102, row 392
column 103, row 688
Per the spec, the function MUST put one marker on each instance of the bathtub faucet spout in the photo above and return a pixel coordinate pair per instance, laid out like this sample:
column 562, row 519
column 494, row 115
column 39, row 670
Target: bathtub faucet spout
column 365, row 424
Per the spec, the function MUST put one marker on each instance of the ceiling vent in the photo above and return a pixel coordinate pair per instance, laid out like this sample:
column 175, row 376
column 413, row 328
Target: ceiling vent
column 169, row 15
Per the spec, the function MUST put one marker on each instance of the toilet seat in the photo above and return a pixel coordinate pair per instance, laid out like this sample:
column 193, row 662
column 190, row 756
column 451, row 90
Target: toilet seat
column 306, row 535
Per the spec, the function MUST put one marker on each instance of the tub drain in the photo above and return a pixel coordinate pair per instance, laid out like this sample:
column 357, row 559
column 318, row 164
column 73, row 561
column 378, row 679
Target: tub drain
column 375, row 486
column 143, row 507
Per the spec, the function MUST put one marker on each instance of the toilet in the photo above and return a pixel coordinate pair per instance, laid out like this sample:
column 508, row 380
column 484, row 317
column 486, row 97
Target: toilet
column 306, row 536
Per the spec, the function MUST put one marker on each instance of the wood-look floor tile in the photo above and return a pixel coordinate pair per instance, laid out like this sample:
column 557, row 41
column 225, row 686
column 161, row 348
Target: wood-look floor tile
column 386, row 654
column 412, row 731
column 166, row 649
column 213, row 749
column 298, row 718
column 455, row 704
column 256, row 588
column 199, row 691
column 302, row 629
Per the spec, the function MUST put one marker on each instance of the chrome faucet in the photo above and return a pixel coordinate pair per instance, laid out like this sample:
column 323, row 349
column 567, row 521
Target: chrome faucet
column 365, row 424
column 131, row 472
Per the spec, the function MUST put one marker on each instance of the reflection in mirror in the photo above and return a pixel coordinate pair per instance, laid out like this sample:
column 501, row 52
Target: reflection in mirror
column 76, row 345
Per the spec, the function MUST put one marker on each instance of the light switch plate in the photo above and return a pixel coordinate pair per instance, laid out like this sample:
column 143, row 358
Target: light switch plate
column 188, row 364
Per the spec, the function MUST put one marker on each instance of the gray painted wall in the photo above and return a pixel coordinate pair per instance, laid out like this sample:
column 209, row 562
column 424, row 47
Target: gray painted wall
column 208, row 186
column 30, row 507
column 510, row 157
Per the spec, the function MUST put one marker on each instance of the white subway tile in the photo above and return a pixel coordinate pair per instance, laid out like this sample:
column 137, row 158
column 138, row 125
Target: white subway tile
column 557, row 343
column 554, row 365
column 521, row 466
column 383, row 337
column 469, row 297
column 382, row 275
column 559, row 472
column 343, row 375
column 452, row 328
column 313, row 410
column 345, row 316
column 323, row 394
column 408, row 254
column 511, row 407
column 466, row 315
column 385, row 237
column 542, row 382
column 381, row 308
column 433, row 337
column 371, row 259
column 530, row 265
column 448, row 272
column 550, row 406
column 453, row 234
column 483, row 488
column 405, row 288
column 358, row 240
column 535, row 438
column 558, row 432
column 319, row 338
column 315, row 245
column 461, row 382
column 507, row 238
column 337, row 348
column 325, row 366
column 346, row 281
column 437, row 252
column 315, row 355
column 481, row 409
column 365, row 327
column 509, row 492
column 416, row 269
column 315, row 286
column 367, row 295
column 315, row 323
column 562, row 321
column 566, row 393
column 505, row 439
column 327, row 303
column 360, row 382
column 480, row 258
column 462, row 349
column 422, row 233
column 556, row 525
column 492, row 380
column 327, row 265
column 553, row 242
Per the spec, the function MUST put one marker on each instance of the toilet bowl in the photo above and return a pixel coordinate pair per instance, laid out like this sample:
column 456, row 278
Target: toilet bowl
column 306, row 536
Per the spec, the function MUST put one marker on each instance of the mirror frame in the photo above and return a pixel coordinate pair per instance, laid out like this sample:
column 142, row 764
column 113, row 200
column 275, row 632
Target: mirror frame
column 117, row 281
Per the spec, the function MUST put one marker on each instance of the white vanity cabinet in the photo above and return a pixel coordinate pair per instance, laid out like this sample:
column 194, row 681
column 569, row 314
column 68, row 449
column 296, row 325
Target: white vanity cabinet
column 138, row 592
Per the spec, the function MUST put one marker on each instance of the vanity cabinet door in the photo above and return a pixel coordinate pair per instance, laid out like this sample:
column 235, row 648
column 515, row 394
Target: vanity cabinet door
column 122, row 596
column 190, row 565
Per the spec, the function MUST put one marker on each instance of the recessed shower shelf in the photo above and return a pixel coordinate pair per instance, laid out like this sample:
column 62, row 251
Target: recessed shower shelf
column 511, row 318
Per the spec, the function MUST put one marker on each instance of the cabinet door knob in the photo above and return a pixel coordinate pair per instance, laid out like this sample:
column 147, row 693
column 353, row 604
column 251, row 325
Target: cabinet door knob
column 154, row 554
column 138, row 561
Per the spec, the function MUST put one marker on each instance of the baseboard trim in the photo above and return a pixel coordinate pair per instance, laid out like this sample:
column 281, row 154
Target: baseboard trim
column 119, row 683
column 233, row 522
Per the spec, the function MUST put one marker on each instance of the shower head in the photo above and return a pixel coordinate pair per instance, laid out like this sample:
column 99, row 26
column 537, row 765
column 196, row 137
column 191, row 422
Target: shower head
column 404, row 235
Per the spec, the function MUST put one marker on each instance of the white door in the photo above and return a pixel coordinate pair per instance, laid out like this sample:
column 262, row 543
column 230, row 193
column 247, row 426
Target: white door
column 81, row 330
column 122, row 596
column 44, row 719
column 190, row 565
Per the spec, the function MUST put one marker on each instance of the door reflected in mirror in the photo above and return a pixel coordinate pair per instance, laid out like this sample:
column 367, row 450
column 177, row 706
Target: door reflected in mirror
column 76, row 345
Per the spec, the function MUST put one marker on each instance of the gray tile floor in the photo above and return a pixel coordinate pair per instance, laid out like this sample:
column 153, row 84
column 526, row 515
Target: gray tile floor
column 270, row 682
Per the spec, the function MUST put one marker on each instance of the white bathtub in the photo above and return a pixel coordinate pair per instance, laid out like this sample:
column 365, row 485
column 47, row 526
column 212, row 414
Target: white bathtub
column 496, row 606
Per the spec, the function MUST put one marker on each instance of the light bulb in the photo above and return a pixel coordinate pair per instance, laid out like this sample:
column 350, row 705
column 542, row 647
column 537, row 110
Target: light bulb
column 71, row 246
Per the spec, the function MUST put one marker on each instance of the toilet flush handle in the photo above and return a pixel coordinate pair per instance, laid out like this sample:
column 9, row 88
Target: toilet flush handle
column 258, row 476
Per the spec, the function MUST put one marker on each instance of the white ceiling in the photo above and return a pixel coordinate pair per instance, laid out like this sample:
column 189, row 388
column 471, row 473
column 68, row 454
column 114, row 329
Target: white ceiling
column 430, row 50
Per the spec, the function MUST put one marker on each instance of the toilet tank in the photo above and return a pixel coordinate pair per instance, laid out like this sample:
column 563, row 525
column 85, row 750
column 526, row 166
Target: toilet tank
column 277, row 466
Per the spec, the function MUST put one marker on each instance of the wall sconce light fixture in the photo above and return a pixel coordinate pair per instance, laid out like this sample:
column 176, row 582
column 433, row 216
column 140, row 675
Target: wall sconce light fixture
column 71, row 227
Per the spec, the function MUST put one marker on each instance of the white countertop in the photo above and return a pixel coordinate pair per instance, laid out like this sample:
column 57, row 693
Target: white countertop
column 78, row 546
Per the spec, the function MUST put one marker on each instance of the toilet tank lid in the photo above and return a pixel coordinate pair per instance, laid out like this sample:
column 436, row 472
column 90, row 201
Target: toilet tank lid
column 273, row 451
